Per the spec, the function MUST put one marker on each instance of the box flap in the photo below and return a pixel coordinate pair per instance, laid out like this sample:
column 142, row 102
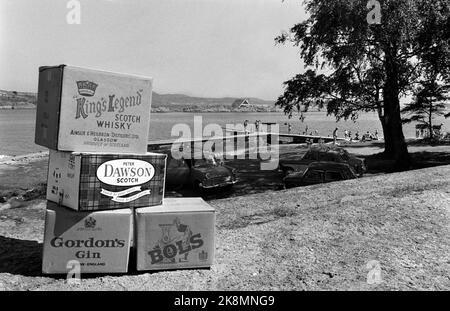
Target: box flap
column 176, row 205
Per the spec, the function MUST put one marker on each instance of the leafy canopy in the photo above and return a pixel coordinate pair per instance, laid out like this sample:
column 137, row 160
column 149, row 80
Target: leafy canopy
column 345, row 57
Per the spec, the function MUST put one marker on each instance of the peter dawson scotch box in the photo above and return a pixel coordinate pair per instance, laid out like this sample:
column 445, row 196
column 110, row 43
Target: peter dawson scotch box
column 86, row 110
column 98, row 241
column 99, row 181
column 177, row 234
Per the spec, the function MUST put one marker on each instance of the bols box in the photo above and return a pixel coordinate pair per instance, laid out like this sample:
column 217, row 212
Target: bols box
column 177, row 234
column 98, row 241
column 99, row 181
column 89, row 110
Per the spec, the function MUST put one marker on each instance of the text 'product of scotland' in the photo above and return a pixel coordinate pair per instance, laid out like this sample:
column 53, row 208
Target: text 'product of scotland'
column 98, row 181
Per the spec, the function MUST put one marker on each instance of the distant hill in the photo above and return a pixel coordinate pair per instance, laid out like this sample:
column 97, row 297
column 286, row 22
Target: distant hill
column 170, row 99
column 160, row 102
column 19, row 100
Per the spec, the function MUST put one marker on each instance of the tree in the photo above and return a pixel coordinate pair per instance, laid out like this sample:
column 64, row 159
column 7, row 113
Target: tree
column 353, row 66
column 429, row 100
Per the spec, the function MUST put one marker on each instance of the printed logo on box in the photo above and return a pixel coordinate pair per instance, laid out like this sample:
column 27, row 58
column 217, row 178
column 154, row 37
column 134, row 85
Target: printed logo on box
column 125, row 172
column 89, row 224
column 86, row 88
column 176, row 242
column 110, row 103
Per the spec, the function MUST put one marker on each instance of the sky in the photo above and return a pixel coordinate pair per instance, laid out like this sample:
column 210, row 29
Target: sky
column 211, row 48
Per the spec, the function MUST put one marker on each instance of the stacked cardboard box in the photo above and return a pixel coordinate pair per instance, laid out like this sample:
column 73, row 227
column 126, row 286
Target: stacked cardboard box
column 177, row 234
column 99, row 241
column 101, row 178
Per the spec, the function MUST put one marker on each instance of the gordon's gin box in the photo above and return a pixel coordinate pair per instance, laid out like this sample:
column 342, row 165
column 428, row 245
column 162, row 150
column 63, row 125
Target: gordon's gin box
column 86, row 110
column 100, row 181
column 177, row 234
column 94, row 242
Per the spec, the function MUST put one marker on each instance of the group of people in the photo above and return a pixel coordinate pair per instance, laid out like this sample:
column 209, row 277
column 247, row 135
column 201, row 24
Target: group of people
column 366, row 136
column 311, row 132
column 347, row 133
column 256, row 128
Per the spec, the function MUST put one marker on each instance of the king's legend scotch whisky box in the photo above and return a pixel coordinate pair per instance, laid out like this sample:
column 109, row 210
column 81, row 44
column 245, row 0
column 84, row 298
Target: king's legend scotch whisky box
column 87, row 110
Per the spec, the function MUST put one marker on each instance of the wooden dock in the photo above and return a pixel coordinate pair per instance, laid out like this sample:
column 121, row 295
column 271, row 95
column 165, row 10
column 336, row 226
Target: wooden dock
column 238, row 136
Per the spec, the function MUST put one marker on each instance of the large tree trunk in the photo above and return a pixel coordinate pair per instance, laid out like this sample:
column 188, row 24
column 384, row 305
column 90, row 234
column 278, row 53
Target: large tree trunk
column 395, row 145
column 386, row 135
column 430, row 126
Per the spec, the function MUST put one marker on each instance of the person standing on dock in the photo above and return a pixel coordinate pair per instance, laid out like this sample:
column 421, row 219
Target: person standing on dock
column 257, row 125
column 245, row 126
column 335, row 135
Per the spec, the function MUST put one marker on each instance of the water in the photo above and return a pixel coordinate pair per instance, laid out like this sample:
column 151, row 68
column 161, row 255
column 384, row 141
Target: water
column 17, row 126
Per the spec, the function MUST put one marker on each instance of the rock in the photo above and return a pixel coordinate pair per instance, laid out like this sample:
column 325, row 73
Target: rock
column 32, row 194
column 15, row 202
column 19, row 219
column 3, row 207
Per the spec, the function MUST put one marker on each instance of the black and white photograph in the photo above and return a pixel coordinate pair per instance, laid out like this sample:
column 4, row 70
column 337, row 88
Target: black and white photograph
column 242, row 147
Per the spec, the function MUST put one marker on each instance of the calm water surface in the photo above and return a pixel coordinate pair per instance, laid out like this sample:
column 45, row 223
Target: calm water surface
column 17, row 126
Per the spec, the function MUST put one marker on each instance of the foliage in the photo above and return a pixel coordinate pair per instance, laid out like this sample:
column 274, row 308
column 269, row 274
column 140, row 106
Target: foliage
column 353, row 66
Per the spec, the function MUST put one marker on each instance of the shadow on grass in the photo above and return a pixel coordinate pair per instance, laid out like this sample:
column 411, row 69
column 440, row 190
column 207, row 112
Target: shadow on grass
column 428, row 142
column 362, row 144
column 378, row 163
column 22, row 257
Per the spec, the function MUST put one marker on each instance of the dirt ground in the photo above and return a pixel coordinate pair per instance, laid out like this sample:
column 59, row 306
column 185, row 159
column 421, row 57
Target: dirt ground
column 319, row 237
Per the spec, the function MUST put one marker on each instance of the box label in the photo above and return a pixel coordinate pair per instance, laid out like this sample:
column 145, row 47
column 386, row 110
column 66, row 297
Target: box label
column 175, row 240
column 125, row 172
column 99, row 241
column 104, row 112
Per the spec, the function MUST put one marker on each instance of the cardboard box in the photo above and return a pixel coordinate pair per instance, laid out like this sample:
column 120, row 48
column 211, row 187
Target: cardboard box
column 99, row 181
column 99, row 241
column 177, row 234
column 90, row 110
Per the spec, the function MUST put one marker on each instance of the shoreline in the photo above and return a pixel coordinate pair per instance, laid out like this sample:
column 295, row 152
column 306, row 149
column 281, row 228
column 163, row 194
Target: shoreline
column 28, row 157
column 172, row 111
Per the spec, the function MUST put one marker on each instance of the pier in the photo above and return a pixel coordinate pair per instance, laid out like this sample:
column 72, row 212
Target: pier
column 241, row 140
